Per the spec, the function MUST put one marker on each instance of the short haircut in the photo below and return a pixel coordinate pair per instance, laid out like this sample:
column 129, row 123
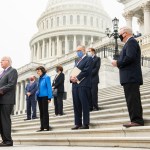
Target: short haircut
column 42, row 69
column 7, row 58
column 60, row 68
column 83, row 47
column 93, row 50
column 127, row 29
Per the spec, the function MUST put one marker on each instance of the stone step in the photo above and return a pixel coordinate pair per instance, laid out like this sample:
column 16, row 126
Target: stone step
column 142, row 131
column 70, row 118
column 67, row 126
column 87, row 141
column 117, row 101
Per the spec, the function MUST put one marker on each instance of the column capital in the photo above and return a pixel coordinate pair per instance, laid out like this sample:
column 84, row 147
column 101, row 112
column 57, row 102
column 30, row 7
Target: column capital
column 128, row 14
column 146, row 6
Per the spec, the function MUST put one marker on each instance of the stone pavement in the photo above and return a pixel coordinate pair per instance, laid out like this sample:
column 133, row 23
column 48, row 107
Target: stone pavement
column 21, row 147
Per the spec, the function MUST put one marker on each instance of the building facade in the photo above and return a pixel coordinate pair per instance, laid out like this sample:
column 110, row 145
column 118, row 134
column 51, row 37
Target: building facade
column 63, row 26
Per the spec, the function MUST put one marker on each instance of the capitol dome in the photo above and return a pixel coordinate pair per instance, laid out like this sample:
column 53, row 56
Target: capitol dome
column 64, row 25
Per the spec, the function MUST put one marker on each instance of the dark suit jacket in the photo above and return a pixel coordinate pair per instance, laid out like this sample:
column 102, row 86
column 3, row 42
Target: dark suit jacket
column 129, row 63
column 58, row 83
column 85, row 65
column 8, row 86
column 32, row 89
column 95, row 69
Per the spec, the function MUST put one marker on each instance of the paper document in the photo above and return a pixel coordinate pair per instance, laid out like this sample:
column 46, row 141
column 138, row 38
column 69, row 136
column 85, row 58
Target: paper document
column 75, row 72
column 110, row 58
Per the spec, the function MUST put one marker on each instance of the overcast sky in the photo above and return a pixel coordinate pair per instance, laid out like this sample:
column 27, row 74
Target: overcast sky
column 18, row 25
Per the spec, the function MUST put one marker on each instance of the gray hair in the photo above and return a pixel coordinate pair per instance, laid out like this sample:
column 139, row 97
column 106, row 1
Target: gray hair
column 82, row 46
column 127, row 29
column 7, row 58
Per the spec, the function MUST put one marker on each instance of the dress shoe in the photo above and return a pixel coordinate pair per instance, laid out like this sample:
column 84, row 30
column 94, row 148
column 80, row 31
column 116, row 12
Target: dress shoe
column 49, row 129
column 96, row 109
column 84, row 127
column 131, row 124
column 3, row 144
column 76, row 127
column 27, row 119
column 40, row 130
column 35, row 118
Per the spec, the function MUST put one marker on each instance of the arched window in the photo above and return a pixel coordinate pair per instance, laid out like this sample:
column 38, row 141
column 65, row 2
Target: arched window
column 57, row 21
column 85, row 20
column 78, row 19
column 91, row 20
column 71, row 19
column 64, row 20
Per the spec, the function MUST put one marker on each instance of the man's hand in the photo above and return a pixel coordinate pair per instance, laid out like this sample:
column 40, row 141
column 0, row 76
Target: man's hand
column 49, row 101
column 73, row 79
column 114, row 63
column 1, row 92
column 28, row 93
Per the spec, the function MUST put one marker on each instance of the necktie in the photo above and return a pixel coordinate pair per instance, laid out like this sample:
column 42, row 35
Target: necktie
column 3, row 73
column 79, row 61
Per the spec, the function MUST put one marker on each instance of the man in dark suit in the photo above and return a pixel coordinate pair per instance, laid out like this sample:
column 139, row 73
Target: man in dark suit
column 129, row 64
column 8, row 81
column 95, row 79
column 81, row 85
column 31, row 89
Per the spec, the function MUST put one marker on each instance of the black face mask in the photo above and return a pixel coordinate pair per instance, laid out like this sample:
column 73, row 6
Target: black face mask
column 121, row 37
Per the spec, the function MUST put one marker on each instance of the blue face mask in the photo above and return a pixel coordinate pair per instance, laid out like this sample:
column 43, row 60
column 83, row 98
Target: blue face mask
column 80, row 54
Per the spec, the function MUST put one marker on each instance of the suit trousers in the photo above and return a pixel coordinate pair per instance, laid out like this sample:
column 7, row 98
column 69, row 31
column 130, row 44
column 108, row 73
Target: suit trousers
column 44, row 114
column 133, row 99
column 5, row 122
column 31, row 103
column 81, row 105
column 58, row 102
column 94, row 96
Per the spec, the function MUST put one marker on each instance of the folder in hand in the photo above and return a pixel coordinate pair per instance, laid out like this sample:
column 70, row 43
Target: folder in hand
column 75, row 72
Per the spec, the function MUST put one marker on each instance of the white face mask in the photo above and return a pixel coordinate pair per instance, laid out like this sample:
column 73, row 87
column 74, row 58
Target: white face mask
column 89, row 54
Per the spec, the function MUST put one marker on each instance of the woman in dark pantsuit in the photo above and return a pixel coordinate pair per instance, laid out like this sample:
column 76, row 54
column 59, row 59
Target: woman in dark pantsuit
column 58, row 84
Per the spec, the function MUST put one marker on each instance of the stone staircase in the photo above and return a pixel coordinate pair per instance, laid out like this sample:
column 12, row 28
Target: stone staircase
column 106, row 128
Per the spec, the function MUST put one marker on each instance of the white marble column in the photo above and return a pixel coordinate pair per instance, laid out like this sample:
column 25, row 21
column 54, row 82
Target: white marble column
column 43, row 49
column 66, row 45
column 38, row 51
column 53, row 48
column 146, row 9
column 75, row 43
column 34, row 52
column 140, row 22
column 58, row 47
column 21, row 97
column 25, row 102
column 17, row 99
column 83, row 40
column 50, row 47
column 128, row 17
